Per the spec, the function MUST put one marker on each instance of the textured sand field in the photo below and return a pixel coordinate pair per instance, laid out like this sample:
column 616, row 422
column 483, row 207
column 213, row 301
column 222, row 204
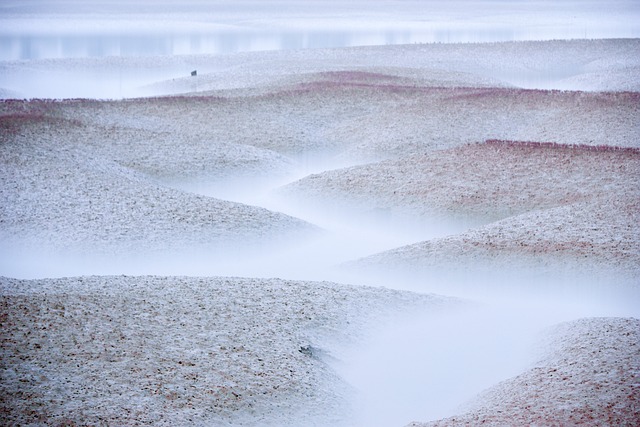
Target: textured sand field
column 183, row 351
column 497, row 190
column 590, row 378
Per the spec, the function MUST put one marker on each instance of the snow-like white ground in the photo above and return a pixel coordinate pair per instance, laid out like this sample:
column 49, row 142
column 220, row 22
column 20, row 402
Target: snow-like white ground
column 207, row 258
column 589, row 378
column 495, row 208
column 118, row 350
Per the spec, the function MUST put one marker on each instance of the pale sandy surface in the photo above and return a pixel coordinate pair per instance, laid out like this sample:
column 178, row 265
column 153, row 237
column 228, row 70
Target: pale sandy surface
column 483, row 181
column 183, row 351
column 590, row 377
column 560, row 209
column 384, row 136
column 62, row 191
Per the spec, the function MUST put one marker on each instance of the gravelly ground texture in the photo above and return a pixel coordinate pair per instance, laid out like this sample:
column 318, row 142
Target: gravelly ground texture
column 590, row 378
column 152, row 350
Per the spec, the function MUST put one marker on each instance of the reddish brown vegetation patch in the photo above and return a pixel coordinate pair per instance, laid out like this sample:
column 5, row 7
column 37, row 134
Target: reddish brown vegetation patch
column 358, row 76
column 554, row 145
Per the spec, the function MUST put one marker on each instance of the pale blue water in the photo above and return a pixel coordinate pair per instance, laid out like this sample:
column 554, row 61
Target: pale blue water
column 42, row 46
column 79, row 29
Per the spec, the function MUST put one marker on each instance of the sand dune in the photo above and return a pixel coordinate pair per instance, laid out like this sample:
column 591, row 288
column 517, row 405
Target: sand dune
column 573, row 248
column 588, row 378
column 560, row 215
column 479, row 182
column 184, row 351
column 62, row 193
column 367, row 114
